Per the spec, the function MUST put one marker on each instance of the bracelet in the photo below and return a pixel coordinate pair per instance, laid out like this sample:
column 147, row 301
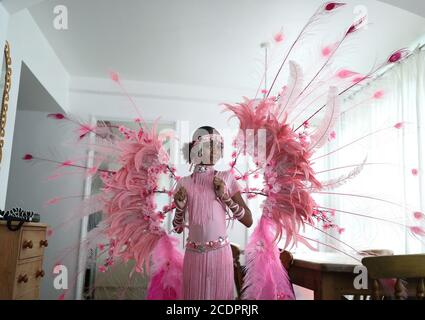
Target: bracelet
column 238, row 211
column 180, row 209
column 178, row 219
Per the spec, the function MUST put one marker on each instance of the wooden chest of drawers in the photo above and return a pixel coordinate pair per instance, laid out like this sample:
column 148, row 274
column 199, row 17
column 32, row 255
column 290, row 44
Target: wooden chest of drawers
column 21, row 260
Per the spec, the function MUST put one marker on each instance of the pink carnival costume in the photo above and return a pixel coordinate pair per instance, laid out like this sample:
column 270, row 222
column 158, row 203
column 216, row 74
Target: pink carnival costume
column 208, row 262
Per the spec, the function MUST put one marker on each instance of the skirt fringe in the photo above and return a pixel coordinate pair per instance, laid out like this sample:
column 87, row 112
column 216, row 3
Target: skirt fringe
column 208, row 275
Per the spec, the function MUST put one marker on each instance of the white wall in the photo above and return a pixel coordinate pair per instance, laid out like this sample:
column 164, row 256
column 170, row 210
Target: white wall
column 28, row 44
column 28, row 188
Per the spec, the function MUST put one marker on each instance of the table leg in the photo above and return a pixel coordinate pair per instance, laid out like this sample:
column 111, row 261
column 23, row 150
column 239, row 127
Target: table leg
column 328, row 288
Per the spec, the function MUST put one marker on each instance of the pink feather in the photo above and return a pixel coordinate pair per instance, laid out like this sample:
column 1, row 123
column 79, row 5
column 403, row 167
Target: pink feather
column 57, row 116
column 92, row 171
column 419, row 231
column 266, row 278
column 294, row 88
column 399, row 125
column 166, row 280
column 278, row 37
column 318, row 139
column 378, row 94
column 358, row 79
column 344, row 73
column 329, row 49
column 114, row 76
column 343, row 179
column 27, row 157
column 356, row 25
column 85, row 129
column 52, row 201
column 67, row 163
column 306, row 243
column 398, row 55
column 418, row 215
column 330, row 6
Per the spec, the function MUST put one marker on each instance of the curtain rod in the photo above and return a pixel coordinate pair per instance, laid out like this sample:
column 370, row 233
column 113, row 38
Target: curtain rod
column 381, row 74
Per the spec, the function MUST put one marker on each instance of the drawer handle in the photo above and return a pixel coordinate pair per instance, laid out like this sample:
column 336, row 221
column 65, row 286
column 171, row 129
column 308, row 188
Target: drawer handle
column 44, row 243
column 39, row 273
column 27, row 244
column 23, row 278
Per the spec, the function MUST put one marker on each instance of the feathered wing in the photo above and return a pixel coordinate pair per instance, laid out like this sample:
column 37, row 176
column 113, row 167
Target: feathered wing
column 132, row 219
column 132, row 222
column 287, row 166
column 288, row 204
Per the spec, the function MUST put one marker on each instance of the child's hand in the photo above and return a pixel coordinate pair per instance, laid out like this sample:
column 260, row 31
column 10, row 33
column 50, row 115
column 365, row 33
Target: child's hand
column 180, row 198
column 219, row 187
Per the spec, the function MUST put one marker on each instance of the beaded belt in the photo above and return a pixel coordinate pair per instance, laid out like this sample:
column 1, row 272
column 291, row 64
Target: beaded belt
column 207, row 246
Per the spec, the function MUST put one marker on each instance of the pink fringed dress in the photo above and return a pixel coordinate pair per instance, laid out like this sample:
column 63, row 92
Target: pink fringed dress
column 208, row 262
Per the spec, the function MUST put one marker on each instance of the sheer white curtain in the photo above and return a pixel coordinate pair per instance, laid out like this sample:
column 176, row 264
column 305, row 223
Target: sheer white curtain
column 394, row 169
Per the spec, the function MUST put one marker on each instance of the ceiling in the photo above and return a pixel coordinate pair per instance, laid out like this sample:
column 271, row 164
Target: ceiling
column 413, row 6
column 211, row 43
column 13, row 6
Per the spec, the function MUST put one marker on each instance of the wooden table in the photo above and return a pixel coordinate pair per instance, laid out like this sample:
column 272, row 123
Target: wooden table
column 329, row 275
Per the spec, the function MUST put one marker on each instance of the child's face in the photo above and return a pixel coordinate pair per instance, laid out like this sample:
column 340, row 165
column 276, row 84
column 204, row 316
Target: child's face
column 207, row 151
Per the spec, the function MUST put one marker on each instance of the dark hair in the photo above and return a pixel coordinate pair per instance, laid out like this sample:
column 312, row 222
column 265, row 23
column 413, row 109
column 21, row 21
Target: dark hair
column 202, row 131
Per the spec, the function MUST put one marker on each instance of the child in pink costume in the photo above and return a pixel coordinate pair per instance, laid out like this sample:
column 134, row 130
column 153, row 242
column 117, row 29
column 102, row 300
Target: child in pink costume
column 206, row 196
